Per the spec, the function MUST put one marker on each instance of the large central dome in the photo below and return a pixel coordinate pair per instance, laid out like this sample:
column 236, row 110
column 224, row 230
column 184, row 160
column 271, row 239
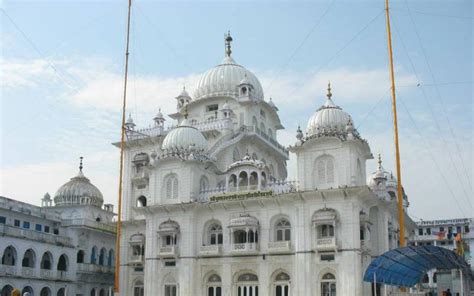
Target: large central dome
column 222, row 80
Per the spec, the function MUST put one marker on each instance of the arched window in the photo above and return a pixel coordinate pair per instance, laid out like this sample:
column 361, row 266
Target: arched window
column 61, row 292
column 282, row 284
column 254, row 122
column 171, row 183
column 46, row 261
column 328, row 285
column 9, row 256
column 325, row 170
column 171, row 287
column 94, row 255
column 141, row 201
column 29, row 259
column 26, row 289
column 80, row 256
column 253, row 181
column 214, row 235
column 270, row 133
column 102, row 292
column 214, row 285
column 93, row 292
column 102, row 255
column 111, row 258
column 243, row 180
column 62, row 263
column 6, row 290
column 45, row 292
column 247, row 284
column 282, row 230
column 138, row 288
column 203, row 184
column 263, row 129
column 325, row 230
column 236, row 154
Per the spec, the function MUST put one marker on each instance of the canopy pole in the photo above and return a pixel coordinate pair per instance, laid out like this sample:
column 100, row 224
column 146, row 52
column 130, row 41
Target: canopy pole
column 462, row 284
column 375, row 284
column 122, row 146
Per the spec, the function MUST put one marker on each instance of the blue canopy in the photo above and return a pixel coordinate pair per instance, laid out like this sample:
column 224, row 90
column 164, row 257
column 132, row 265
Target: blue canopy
column 406, row 266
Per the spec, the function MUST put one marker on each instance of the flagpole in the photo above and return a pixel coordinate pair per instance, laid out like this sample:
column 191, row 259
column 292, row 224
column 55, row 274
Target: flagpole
column 122, row 146
column 401, row 217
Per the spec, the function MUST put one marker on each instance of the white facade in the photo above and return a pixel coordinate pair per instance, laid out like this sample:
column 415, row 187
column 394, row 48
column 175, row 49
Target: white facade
column 208, row 210
column 65, row 249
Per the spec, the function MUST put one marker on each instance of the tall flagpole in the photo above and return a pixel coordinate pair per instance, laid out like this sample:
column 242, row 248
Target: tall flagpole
column 122, row 144
column 401, row 216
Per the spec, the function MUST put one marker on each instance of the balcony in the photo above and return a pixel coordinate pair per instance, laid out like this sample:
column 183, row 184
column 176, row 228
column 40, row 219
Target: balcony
column 6, row 230
column 251, row 130
column 28, row 272
column 63, row 276
column 168, row 251
column 326, row 244
column 244, row 248
column 136, row 259
column 88, row 268
column 212, row 125
column 211, row 250
column 279, row 247
column 7, row 270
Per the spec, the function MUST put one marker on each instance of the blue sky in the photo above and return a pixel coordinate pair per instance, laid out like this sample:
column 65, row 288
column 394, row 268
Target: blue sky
column 62, row 64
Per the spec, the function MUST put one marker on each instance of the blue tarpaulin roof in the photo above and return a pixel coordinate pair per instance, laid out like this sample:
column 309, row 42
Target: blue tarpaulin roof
column 406, row 266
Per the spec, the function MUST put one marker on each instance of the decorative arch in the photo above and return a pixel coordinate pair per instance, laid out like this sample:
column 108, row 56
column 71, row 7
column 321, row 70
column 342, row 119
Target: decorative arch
column 141, row 201
column 213, row 234
column 61, row 292
column 46, row 291
column 9, row 256
column 281, row 227
column 213, row 285
column 27, row 289
column 6, row 290
column 94, row 255
column 63, row 263
column 29, row 259
column 111, row 258
column 243, row 179
column 47, row 261
column 246, row 283
column 138, row 287
column 102, row 255
column 170, row 285
column 281, row 283
column 324, row 171
column 171, row 186
column 328, row 280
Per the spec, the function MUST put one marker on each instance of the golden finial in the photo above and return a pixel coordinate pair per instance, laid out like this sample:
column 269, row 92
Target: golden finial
column 380, row 161
column 329, row 95
column 80, row 163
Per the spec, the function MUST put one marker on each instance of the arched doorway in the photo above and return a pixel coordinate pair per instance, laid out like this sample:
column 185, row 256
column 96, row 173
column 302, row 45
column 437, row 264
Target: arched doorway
column 9, row 256
column 45, row 292
column 29, row 290
column 6, row 290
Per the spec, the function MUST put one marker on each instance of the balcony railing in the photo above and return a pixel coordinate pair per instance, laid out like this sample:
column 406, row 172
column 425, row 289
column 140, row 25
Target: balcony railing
column 168, row 251
column 28, row 272
column 213, row 124
column 265, row 137
column 326, row 243
column 6, row 230
column 85, row 267
column 211, row 250
column 64, row 276
column 7, row 270
column 47, row 274
column 279, row 247
column 244, row 248
column 91, row 224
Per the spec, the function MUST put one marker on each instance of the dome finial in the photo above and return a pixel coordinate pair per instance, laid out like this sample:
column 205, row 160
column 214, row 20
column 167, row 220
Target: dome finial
column 80, row 163
column 228, row 47
column 379, row 161
column 329, row 95
column 186, row 114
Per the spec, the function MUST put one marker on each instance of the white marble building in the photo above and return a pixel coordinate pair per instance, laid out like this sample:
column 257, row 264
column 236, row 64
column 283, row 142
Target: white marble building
column 61, row 250
column 208, row 210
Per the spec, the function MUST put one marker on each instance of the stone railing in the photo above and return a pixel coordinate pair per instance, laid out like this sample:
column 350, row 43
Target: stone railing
column 136, row 259
column 281, row 246
column 211, row 250
column 50, row 238
column 64, row 276
column 90, row 223
column 213, row 124
column 47, row 274
column 28, row 272
column 7, row 270
column 244, row 248
column 147, row 132
column 326, row 243
column 86, row 267
column 264, row 136
column 168, row 251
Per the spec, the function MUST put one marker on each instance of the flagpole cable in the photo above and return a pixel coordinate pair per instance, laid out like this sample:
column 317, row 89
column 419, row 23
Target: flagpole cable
column 122, row 145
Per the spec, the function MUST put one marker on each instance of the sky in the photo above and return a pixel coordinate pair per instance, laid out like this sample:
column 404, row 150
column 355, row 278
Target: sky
column 61, row 81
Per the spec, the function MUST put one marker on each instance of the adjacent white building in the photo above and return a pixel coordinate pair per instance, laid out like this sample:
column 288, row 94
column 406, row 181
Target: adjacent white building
column 61, row 250
column 208, row 209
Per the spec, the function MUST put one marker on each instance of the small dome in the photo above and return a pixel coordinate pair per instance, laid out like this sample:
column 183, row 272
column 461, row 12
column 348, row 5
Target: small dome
column 184, row 93
column 328, row 116
column 78, row 191
column 381, row 175
column 184, row 137
column 223, row 79
column 159, row 115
